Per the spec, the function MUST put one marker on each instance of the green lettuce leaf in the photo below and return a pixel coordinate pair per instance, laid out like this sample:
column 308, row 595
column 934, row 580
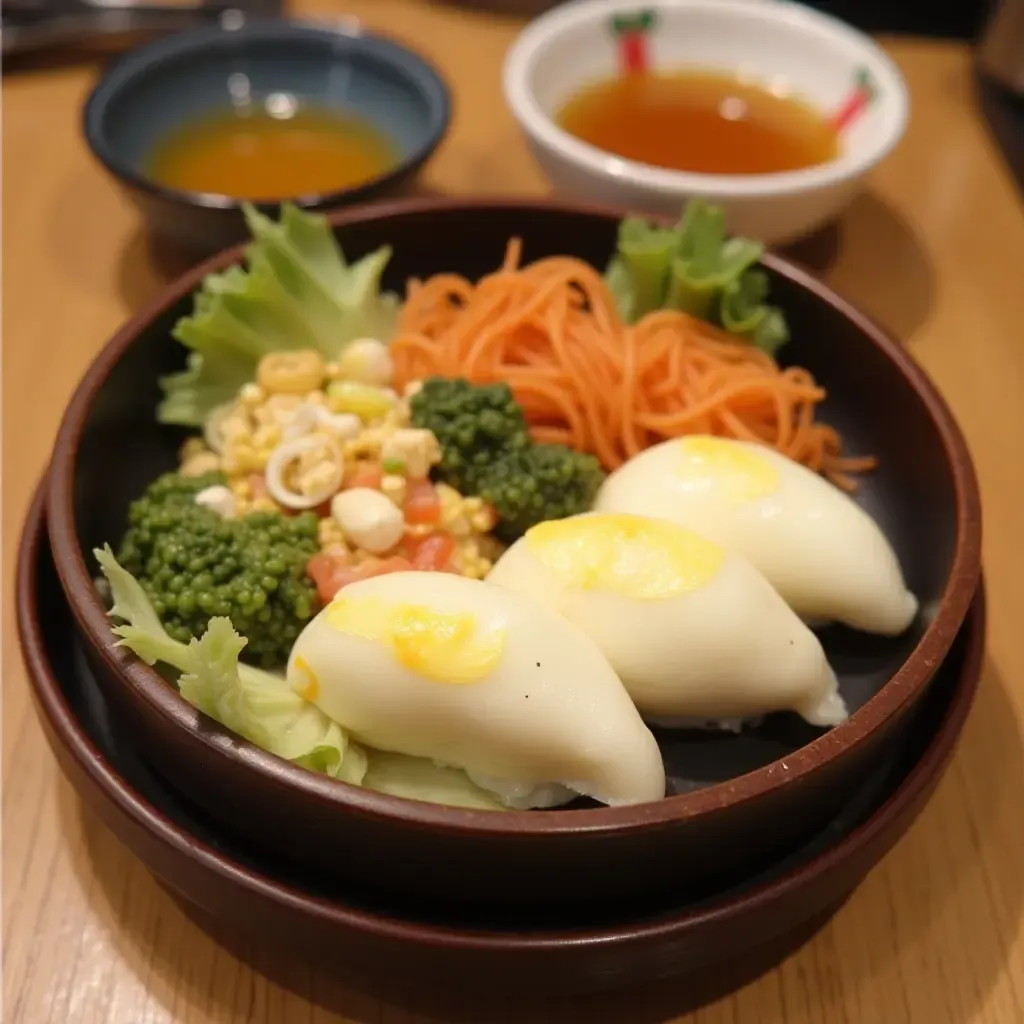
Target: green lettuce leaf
column 696, row 268
column 745, row 314
column 418, row 779
column 638, row 274
column 257, row 705
column 297, row 291
column 706, row 262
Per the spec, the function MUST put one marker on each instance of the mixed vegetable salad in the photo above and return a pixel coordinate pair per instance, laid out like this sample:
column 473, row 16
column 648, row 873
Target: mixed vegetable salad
column 309, row 471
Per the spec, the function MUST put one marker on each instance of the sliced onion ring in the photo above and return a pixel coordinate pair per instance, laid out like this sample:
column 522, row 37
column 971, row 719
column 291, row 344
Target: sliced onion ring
column 287, row 452
column 302, row 422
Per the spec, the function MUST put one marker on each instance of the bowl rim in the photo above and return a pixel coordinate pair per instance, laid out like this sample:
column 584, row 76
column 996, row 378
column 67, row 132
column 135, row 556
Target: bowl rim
column 52, row 705
column 522, row 57
column 148, row 688
column 138, row 62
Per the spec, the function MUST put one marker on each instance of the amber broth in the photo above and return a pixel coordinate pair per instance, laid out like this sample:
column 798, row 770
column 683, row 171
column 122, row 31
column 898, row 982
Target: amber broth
column 254, row 155
column 705, row 122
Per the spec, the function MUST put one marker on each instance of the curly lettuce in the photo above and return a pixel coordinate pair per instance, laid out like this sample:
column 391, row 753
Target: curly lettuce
column 257, row 705
column 297, row 291
column 696, row 268
column 264, row 709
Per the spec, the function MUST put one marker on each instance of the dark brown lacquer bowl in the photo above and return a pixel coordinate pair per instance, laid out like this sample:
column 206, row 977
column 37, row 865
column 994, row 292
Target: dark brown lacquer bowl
column 700, row 946
column 734, row 800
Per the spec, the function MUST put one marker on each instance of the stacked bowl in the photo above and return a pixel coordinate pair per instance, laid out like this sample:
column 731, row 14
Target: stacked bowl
column 764, row 829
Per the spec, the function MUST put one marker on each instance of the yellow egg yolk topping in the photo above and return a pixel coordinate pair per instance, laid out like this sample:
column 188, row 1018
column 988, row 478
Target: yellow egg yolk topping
column 735, row 471
column 637, row 557
column 446, row 647
column 310, row 688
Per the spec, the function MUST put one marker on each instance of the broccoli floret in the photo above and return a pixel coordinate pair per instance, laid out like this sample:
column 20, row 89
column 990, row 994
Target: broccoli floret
column 487, row 451
column 194, row 565
column 543, row 481
column 475, row 424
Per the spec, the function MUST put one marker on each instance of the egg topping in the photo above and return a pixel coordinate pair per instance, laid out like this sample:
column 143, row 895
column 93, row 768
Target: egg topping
column 445, row 647
column 634, row 556
column 737, row 473
column 309, row 690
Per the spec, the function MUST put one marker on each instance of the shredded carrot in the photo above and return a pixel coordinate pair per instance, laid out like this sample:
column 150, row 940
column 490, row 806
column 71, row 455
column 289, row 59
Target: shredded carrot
column 551, row 330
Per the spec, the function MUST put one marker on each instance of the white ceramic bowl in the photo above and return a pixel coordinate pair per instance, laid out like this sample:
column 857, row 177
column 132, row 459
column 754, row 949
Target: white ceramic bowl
column 785, row 45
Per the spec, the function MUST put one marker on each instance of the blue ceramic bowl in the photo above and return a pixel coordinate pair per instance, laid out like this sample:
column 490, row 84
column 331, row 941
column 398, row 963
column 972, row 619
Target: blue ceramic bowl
column 158, row 88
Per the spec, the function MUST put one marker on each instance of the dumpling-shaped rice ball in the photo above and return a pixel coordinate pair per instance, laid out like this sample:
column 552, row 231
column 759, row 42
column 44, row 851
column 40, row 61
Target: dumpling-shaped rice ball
column 472, row 676
column 693, row 631
column 822, row 552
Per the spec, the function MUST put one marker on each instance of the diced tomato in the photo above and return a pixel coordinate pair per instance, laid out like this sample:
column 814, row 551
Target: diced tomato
column 258, row 485
column 433, row 552
column 381, row 567
column 422, row 505
column 331, row 572
column 365, row 474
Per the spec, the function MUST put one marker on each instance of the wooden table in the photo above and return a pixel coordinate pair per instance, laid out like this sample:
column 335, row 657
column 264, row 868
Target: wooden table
column 934, row 249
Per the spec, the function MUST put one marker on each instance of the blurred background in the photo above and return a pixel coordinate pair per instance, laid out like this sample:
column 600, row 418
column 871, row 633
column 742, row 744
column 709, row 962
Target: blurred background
column 36, row 26
column 961, row 19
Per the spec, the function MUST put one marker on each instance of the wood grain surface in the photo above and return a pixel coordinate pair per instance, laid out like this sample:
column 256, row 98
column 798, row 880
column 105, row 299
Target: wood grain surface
column 934, row 249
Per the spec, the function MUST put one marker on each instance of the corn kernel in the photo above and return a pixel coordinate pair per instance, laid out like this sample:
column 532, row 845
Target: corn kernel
column 263, row 504
column 483, row 521
column 193, row 446
column 394, row 486
column 476, row 568
column 399, row 416
column 277, row 409
column 459, row 527
column 329, row 533
column 316, row 478
column 367, row 444
column 267, row 435
column 291, row 373
column 251, row 395
column 198, row 465
column 235, row 427
column 241, row 487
